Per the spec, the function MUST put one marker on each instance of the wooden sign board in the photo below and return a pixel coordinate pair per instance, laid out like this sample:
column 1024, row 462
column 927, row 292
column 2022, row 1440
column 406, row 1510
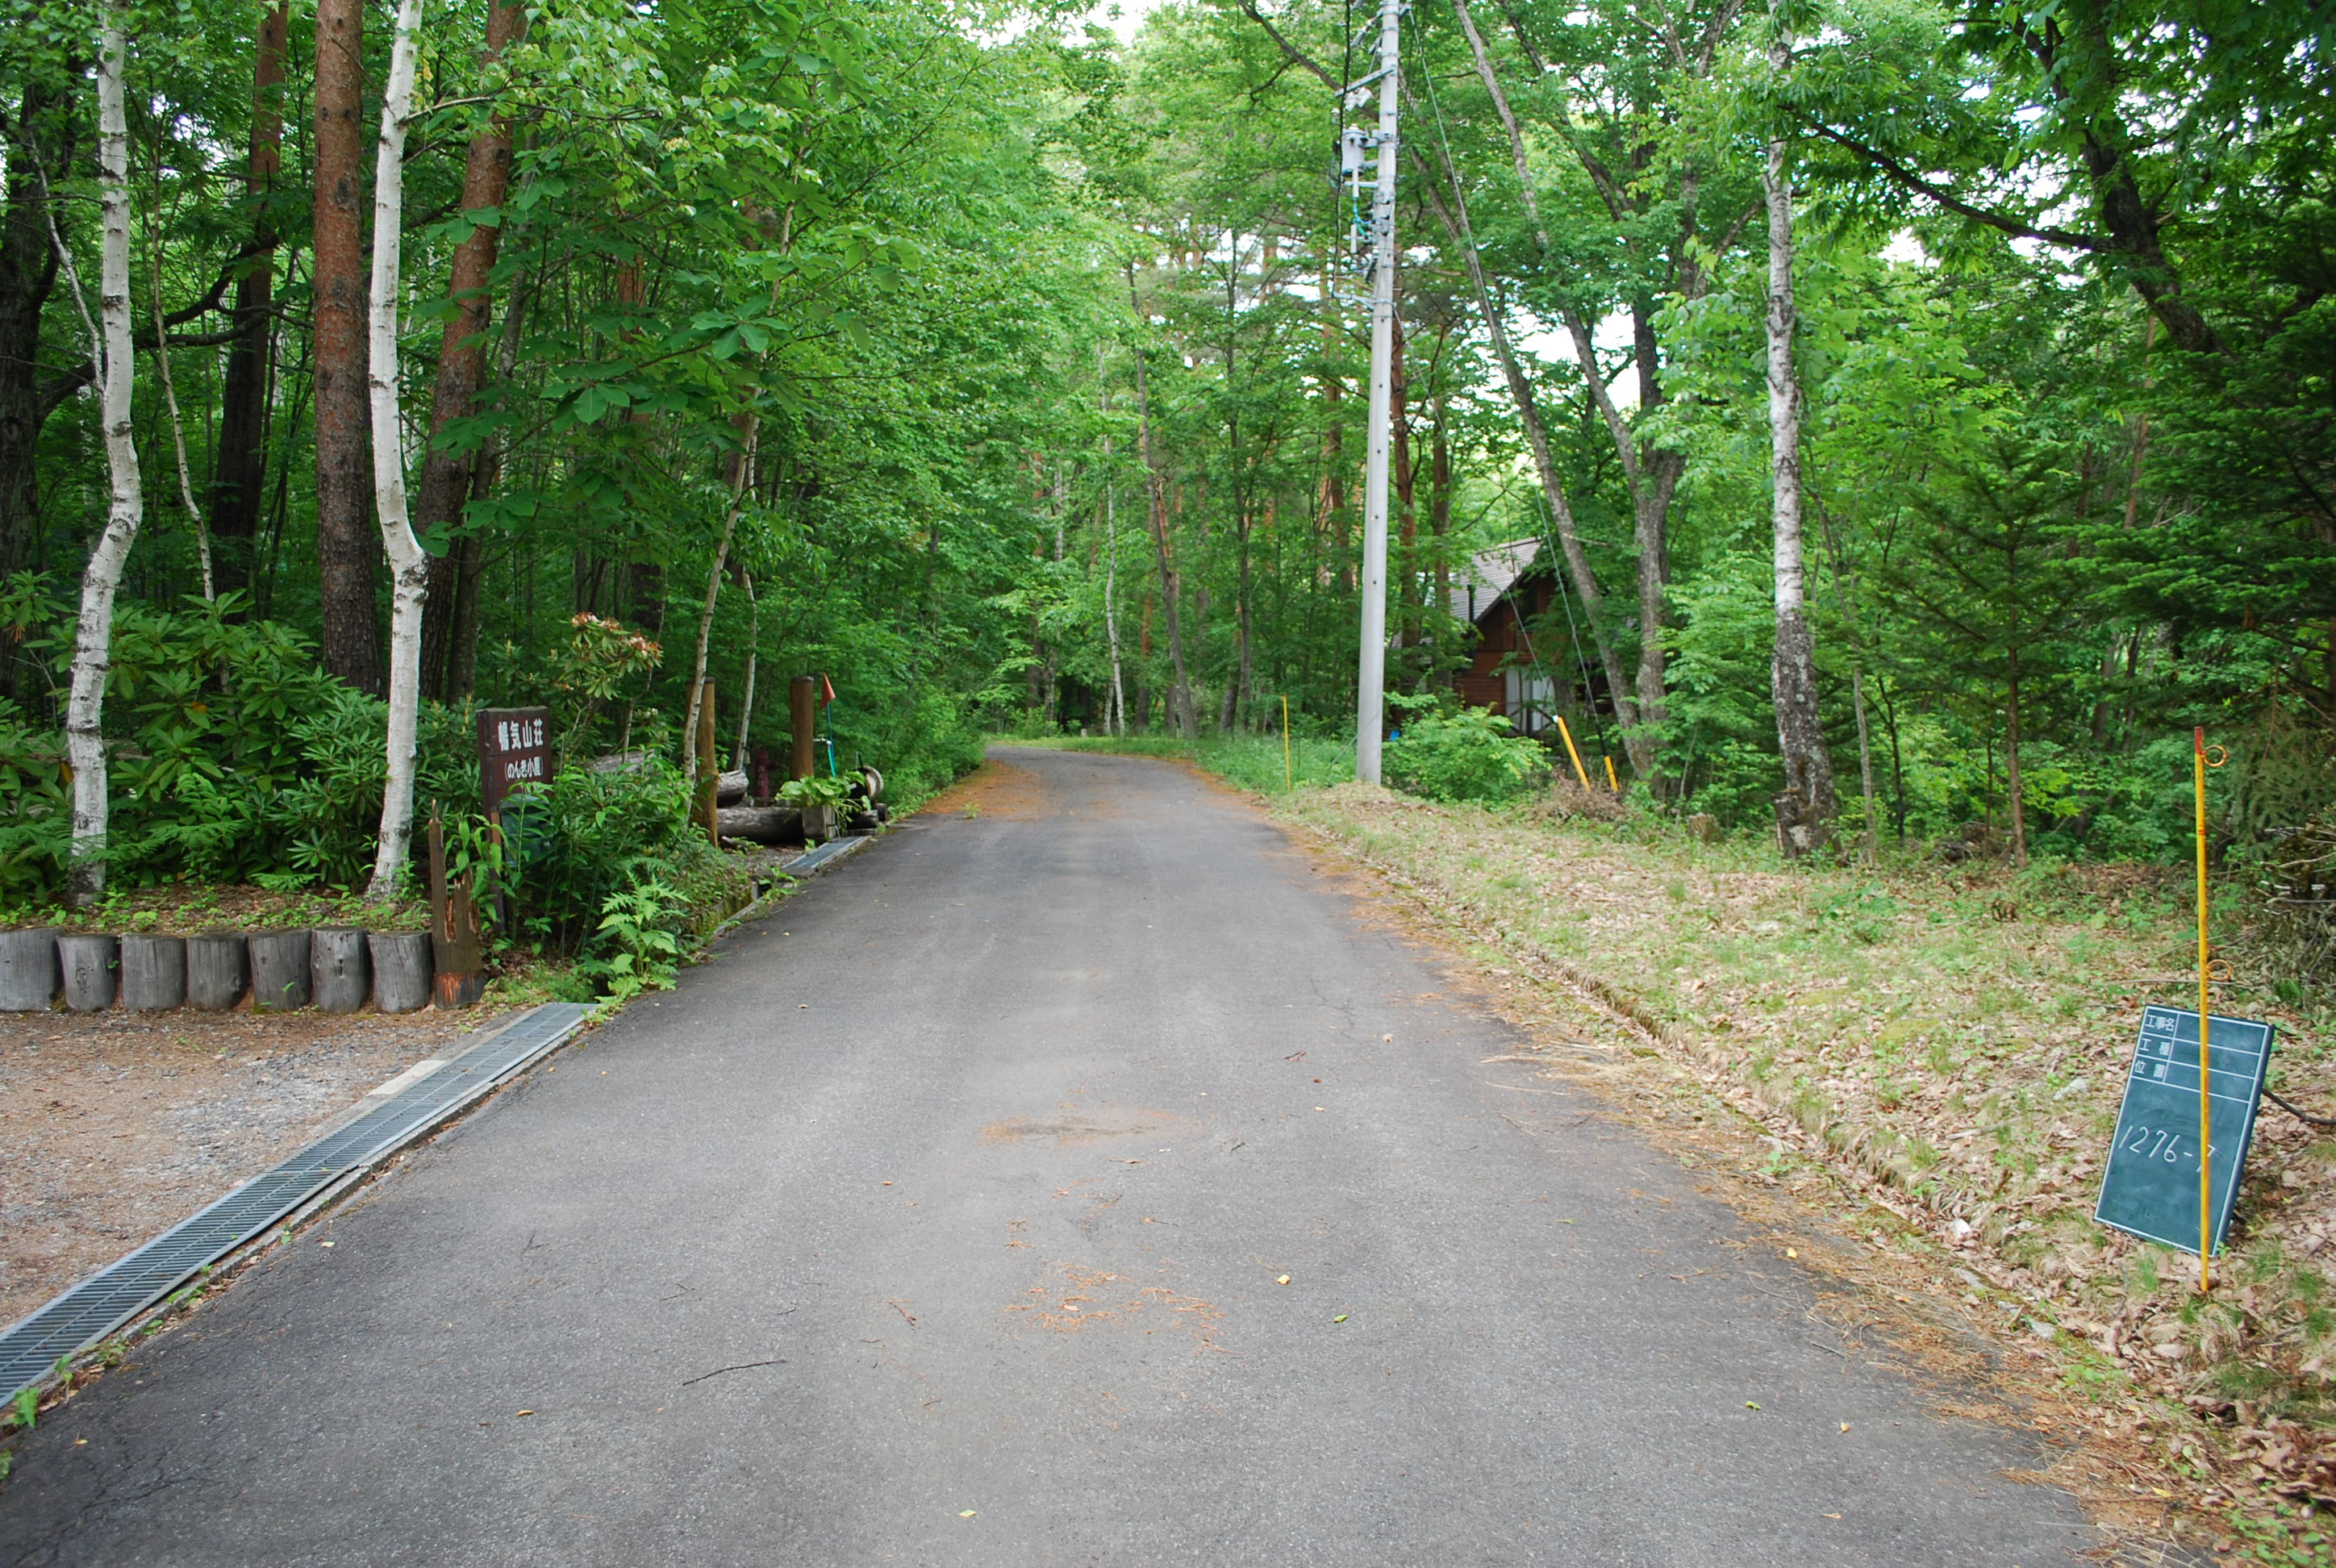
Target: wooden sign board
column 2150, row 1187
column 514, row 751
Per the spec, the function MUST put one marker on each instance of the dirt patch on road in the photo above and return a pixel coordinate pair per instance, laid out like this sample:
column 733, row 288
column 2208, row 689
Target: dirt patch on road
column 1071, row 1127
column 1081, row 1298
column 115, row 1126
column 995, row 789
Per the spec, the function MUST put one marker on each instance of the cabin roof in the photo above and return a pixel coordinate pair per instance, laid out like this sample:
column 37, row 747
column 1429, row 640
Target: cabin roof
column 1477, row 587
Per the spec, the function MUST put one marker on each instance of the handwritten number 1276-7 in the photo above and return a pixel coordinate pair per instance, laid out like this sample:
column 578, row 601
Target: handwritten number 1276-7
column 2156, row 1144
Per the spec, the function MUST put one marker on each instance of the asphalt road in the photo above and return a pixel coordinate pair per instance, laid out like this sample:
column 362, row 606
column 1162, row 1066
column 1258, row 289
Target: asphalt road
column 944, row 1219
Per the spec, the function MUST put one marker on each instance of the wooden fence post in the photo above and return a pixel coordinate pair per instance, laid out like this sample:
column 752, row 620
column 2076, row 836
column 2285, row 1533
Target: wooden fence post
column 709, row 770
column 802, row 719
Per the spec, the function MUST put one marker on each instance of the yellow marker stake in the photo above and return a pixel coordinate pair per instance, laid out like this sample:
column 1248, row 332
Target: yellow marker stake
column 1579, row 772
column 1288, row 782
column 2206, row 1104
column 1611, row 782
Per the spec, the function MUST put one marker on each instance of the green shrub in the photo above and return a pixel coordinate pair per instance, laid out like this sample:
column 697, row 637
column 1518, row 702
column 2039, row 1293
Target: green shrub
column 1460, row 754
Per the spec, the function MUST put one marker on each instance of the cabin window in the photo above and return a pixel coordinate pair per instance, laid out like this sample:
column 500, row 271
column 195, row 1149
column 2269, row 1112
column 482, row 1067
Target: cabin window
column 1529, row 699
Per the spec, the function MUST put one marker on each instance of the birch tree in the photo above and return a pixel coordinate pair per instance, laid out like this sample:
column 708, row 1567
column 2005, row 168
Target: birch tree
column 409, row 565
column 94, row 637
column 1804, row 811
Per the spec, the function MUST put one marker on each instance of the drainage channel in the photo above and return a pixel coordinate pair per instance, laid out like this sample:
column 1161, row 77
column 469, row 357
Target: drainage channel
column 84, row 1316
column 832, row 850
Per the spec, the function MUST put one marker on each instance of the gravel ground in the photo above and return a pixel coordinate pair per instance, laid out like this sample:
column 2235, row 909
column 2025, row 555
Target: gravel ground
column 115, row 1126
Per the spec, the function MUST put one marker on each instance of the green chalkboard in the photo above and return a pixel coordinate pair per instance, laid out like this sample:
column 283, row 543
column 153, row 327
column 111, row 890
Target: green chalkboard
column 2150, row 1188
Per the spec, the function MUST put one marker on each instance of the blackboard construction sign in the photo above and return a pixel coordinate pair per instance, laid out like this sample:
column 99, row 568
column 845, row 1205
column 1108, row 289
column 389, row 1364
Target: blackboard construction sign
column 2150, row 1188
column 514, row 751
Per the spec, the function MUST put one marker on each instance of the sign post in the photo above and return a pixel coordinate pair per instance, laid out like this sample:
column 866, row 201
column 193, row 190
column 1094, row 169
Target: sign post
column 515, row 755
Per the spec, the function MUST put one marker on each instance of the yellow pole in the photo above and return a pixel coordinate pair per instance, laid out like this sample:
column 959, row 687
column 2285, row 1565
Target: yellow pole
column 1289, row 780
column 1579, row 772
column 2206, row 1104
column 1611, row 782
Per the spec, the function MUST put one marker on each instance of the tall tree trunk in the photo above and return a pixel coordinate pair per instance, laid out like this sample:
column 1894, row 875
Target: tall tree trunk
column 1651, row 492
column 1118, row 725
column 409, row 564
column 2011, row 768
column 1117, row 717
column 346, row 551
column 239, row 467
column 1639, row 744
column 1179, row 698
column 447, row 476
column 462, row 658
column 1243, row 696
column 1870, row 850
column 93, row 636
column 754, row 654
column 1439, row 506
column 741, row 477
column 178, row 426
column 1804, row 811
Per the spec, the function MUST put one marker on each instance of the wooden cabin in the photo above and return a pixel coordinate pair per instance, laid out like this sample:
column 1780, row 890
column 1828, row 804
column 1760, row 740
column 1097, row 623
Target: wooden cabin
column 1520, row 669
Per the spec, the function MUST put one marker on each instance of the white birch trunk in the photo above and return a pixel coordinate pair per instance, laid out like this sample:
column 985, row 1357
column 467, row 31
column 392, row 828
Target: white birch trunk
column 1804, row 811
column 754, row 649
column 741, row 475
column 94, row 637
column 178, row 427
column 409, row 565
column 1111, row 595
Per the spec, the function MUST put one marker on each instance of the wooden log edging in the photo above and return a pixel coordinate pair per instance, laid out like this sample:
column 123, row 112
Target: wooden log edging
column 279, row 970
column 403, row 971
column 29, row 977
column 92, row 962
column 219, row 969
column 340, row 972
column 153, row 972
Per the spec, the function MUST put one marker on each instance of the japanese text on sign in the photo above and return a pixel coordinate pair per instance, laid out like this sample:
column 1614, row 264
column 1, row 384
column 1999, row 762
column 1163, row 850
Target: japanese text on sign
column 514, row 751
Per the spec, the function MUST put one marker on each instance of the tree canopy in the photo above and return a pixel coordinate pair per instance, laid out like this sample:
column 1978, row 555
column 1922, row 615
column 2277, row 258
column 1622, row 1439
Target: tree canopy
column 1006, row 372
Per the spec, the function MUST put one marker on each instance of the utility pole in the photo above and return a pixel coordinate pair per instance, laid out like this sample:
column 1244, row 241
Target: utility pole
column 1375, row 245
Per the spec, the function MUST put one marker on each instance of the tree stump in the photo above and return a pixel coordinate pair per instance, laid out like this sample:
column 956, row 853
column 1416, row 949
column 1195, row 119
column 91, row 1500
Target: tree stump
column 340, row 975
column 279, row 971
column 217, row 968
column 153, row 972
column 401, row 970
column 92, row 965
column 28, row 970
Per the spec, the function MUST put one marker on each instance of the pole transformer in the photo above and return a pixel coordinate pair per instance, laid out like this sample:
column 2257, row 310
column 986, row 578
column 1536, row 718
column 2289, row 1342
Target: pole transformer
column 1376, row 244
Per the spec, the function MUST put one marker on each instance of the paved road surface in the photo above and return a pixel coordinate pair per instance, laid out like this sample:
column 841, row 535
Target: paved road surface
column 942, row 1219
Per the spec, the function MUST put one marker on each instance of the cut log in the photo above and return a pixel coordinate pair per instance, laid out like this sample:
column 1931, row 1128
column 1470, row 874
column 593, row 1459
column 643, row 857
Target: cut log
column 279, row 970
column 762, row 824
column 401, row 970
column 28, row 970
column 153, row 972
column 217, row 970
column 730, row 787
column 340, row 975
column 92, row 965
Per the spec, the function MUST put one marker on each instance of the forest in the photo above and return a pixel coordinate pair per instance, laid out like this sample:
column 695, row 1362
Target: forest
column 1923, row 414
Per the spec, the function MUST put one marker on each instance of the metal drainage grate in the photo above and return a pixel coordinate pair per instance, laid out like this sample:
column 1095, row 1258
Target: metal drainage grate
column 88, row 1312
column 832, row 850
